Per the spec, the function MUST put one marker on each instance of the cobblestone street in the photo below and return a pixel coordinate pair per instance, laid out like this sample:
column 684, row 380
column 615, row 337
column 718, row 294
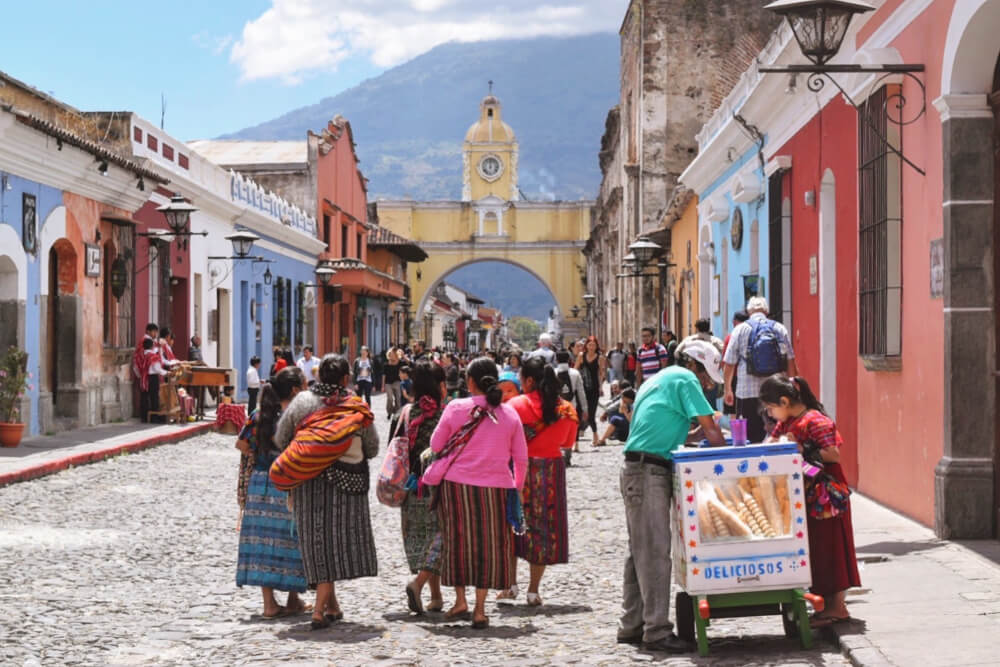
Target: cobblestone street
column 132, row 561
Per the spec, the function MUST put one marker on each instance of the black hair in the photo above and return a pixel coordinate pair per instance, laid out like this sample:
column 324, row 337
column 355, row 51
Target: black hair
column 152, row 327
column 405, row 369
column 624, row 385
column 703, row 325
column 650, row 330
column 307, row 347
column 629, row 394
column 193, row 339
column 334, row 369
column 741, row 316
column 147, row 343
column 286, row 354
column 795, row 389
column 254, row 360
column 279, row 389
column 515, row 355
column 562, row 357
column 546, row 384
column 484, row 372
column 164, row 332
column 427, row 379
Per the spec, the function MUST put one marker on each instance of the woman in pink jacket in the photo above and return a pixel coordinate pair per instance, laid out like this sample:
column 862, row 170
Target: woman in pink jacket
column 478, row 543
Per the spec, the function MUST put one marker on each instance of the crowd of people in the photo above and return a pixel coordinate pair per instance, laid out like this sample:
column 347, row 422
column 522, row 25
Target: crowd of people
column 487, row 442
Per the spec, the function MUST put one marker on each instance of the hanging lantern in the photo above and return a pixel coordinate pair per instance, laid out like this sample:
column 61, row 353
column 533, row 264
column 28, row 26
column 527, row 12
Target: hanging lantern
column 819, row 26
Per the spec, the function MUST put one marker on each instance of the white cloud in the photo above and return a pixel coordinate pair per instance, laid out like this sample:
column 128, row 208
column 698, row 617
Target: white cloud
column 293, row 38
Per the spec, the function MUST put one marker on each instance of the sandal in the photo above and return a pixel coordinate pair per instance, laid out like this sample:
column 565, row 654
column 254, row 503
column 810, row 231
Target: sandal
column 481, row 624
column 509, row 593
column 463, row 615
column 319, row 624
column 334, row 617
column 534, row 600
column 281, row 611
column 436, row 606
column 413, row 600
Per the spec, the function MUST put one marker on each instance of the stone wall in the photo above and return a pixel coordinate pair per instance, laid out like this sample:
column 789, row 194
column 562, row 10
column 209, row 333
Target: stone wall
column 679, row 59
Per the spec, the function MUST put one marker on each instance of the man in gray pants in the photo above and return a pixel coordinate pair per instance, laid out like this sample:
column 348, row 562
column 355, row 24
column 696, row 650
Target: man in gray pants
column 665, row 407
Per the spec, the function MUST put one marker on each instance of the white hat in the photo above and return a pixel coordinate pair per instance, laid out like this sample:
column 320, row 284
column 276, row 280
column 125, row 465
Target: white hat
column 708, row 356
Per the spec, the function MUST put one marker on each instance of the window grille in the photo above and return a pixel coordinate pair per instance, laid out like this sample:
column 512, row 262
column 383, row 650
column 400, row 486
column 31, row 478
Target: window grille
column 880, row 226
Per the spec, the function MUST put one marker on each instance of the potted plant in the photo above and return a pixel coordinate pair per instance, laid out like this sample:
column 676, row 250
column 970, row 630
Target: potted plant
column 14, row 378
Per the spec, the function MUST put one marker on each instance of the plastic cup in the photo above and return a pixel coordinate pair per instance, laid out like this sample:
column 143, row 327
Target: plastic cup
column 738, row 429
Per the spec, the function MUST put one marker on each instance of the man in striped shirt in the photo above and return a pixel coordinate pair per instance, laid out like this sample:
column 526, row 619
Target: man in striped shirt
column 651, row 356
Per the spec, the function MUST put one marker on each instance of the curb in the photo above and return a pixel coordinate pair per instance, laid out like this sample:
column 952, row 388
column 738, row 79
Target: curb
column 856, row 648
column 51, row 467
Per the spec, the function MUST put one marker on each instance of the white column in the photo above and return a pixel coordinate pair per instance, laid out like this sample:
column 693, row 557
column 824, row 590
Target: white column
column 828, row 294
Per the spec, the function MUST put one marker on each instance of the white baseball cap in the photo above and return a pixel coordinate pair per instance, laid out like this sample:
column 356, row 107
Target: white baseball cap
column 709, row 357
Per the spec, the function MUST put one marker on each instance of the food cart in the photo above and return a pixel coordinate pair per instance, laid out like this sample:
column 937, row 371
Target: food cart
column 740, row 542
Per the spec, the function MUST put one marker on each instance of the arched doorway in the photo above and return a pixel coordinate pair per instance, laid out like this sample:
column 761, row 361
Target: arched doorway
column 62, row 336
column 11, row 307
column 512, row 288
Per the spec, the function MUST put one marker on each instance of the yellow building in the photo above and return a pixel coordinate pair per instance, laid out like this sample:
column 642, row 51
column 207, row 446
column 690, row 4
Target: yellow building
column 682, row 278
column 493, row 221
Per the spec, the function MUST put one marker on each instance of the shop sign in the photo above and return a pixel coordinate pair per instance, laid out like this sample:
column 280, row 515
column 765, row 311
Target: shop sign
column 29, row 223
column 813, row 275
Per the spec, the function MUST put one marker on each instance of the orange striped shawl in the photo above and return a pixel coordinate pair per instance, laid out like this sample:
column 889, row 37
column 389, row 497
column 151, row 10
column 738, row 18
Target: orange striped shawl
column 320, row 439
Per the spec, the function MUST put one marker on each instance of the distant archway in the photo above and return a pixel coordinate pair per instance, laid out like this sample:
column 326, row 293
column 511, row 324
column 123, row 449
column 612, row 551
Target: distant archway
column 443, row 278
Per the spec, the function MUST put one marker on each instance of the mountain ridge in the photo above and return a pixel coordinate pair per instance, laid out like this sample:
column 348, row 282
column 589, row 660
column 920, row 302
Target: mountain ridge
column 409, row 122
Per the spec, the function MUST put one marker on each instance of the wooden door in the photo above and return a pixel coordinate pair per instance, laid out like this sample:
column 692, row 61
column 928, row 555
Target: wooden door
column 995, row 104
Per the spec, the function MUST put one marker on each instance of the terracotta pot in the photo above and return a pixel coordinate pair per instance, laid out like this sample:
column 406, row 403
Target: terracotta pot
column 10, row 434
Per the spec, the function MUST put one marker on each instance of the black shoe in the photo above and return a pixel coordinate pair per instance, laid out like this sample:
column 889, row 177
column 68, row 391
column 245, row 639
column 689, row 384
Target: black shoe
column 669, row 644
column 635, row 640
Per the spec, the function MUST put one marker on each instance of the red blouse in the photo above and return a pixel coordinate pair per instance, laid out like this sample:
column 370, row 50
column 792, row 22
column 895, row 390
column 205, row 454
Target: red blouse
column 550, row 439
column 815, row 427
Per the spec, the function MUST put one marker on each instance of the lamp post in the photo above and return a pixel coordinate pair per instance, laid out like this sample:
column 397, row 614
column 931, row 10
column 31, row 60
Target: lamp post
column 819, row 27
column 588, row 299
column 641, row 253
column 178, row 214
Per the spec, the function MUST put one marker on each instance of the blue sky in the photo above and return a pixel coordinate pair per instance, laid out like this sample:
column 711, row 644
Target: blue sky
column 225, row 64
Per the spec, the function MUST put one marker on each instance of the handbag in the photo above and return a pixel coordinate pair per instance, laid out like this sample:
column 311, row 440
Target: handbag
column 351, row 478
column 515, row 512
column 826, row 496
column 394, row 475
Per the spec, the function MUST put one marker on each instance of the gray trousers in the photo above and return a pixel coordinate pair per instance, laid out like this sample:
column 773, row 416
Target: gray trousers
column 647, row 490
column 393, row 397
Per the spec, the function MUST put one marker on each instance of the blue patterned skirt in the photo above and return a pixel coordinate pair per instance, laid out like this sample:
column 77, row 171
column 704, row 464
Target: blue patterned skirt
column 269, row 544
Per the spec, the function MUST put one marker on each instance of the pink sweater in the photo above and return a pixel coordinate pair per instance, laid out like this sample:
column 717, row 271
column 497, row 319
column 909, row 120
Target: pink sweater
column 485, row 460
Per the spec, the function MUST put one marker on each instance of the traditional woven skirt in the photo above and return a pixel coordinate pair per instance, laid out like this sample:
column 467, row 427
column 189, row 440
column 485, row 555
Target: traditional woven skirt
column 546, row 537
column 832, row 559
column 269, row 546
column 477, row 542
column 335, row 532
column 421, row 534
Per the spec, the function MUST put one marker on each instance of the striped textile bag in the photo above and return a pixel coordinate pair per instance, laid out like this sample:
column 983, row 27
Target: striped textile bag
column 320, row 439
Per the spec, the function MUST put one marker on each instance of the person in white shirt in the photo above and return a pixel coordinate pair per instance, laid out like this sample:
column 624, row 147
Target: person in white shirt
column 253, row 383
column 309, row 364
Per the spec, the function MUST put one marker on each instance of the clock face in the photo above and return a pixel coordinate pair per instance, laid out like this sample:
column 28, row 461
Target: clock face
column 490, row 167
column 736, row 229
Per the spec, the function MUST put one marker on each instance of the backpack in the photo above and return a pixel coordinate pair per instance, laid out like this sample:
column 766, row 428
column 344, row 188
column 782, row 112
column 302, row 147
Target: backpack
column 566, row 388
column 764, row 357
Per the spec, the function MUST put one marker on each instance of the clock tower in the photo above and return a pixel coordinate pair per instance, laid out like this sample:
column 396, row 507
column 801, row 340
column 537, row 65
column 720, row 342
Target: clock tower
column 489, row 156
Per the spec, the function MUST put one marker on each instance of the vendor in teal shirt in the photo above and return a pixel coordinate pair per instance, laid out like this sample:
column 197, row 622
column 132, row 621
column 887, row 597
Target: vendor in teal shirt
column 666, row 404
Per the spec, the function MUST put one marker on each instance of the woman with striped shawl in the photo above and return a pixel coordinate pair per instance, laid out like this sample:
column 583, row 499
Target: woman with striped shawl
column 327, row 437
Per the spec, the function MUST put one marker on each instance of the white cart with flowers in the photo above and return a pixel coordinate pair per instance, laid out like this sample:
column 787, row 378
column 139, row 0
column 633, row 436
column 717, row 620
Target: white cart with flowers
column 740, row 542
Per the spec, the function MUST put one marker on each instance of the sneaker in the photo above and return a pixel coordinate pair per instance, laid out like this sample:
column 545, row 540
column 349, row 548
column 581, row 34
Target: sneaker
column 669, row 644
column 635, row 640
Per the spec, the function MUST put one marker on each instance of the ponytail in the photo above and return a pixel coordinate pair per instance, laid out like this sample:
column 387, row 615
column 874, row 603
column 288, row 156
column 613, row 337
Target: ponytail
column 269, row 410
column 795, row 389
column 547, row 384
column 484, row 372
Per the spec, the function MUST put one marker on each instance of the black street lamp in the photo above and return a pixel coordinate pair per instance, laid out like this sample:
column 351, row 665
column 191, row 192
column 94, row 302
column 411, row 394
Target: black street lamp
column 819, row 27
column 641, row 253
column 588, row 299
column 574, row 312
column 178, row 214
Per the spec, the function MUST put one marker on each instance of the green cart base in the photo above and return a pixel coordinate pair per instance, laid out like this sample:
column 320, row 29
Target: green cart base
column 694, row 612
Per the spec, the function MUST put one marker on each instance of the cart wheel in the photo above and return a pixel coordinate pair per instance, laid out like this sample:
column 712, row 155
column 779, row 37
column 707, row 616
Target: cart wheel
column 684, row 606
column 789, row 621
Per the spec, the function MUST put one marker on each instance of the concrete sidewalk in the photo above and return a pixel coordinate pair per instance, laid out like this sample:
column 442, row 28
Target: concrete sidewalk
column 924, row 601
column 44, row 455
